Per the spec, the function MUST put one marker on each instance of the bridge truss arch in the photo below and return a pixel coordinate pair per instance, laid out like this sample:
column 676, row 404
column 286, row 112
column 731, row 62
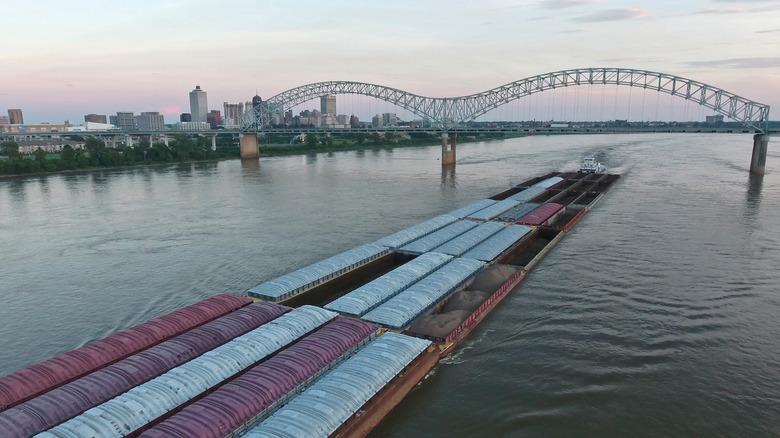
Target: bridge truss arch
column 450, row 111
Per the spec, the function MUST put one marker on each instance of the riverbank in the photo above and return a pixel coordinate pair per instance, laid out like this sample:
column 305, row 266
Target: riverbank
column 326, row 145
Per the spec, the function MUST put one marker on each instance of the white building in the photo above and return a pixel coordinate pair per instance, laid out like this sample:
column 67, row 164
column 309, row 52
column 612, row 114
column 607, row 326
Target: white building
column 194, row 126
column 232, row 113
column 199, row 107
column 93, row 126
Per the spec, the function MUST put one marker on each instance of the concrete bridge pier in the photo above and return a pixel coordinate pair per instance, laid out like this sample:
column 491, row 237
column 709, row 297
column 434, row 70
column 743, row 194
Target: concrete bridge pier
column 249, row 146
column 758, row 161
column 448, row 150
column 214, row 142
column 129, row 140
column 165, row 140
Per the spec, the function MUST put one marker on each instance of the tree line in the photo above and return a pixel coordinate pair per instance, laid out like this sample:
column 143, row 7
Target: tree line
column 95, row 154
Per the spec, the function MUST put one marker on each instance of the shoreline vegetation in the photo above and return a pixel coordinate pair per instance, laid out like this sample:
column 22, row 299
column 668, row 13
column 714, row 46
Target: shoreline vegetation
column 183, row 148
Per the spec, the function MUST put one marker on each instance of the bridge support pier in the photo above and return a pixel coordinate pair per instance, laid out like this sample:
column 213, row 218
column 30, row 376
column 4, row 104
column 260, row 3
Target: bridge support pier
column 165, row 140
column 758, row 161
column 448, row 150
column 249, row 146
column 214, row 142
column 129, row 140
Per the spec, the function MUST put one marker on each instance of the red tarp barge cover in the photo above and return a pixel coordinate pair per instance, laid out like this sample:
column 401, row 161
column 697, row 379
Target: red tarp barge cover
column 541, row 215
column 34, row 380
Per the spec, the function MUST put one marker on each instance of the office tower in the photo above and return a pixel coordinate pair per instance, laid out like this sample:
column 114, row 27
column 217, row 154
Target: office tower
column 4, row 120
column 328, row 105
column 233, row 112
column 150, row 121
column 15, row 117
column 185, row 117
column 95, row 118
column 125, row 121
column 199, row 107
column 256, row 101
column 214, row 119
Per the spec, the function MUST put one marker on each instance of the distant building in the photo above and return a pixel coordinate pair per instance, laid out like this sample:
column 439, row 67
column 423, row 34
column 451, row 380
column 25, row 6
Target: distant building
column 20, row 128
column 125, row 121
column 199, row 107
column 354, row 121
column 389, row 119
column 150, row 121
column 377, row 121
column 256, row 101
column 15, row 117
column 4, row 120
column 185, row 117
column 95, row 118
column 194, row 126
column 113, row 120
column 92, row 126
column 711, row 120
column 232, row 113
column 214, row 119
column 328, row 105
column 342, row 119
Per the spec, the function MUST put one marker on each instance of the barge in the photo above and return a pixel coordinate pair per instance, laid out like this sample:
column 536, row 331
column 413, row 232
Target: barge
column 327, row 350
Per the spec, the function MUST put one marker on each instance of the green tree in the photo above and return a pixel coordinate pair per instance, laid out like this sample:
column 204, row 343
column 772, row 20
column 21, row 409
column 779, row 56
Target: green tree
column 97, row 151
column 312, row 140
column 40, row 156
column 360, row 138
column 67, row 158
column 10, row 149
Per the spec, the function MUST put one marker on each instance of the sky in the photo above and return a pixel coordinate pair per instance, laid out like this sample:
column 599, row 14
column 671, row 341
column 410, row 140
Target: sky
column 63, row 59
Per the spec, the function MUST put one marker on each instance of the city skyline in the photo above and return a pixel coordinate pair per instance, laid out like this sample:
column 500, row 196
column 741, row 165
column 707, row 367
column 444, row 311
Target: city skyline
column 79, row 61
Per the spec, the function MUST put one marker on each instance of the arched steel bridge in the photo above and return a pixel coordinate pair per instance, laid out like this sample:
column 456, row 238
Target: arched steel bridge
column 451, row 111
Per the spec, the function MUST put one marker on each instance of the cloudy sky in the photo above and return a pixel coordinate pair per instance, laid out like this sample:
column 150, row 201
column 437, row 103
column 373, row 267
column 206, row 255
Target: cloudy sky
column 63, row 59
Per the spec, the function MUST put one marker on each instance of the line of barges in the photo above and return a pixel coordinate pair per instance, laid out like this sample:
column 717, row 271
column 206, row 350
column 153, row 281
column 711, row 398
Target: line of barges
column 327, row 350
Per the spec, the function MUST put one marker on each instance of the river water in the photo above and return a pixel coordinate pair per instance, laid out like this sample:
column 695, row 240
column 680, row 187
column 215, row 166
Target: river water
column 656, row 316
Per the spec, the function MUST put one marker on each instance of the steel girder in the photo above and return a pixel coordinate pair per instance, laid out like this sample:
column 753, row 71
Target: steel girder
column 449, row 111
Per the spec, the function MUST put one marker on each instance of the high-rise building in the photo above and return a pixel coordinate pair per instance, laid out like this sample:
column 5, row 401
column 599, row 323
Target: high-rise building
column 185, row 117
column 377, row 121
column 199, row 107
column 95, row 118
column 214, row 119
column 125, row 121
column 15, row 117
column 354, row 121
column 328, row 105
column 233, row 112
column 150, row 121
column 256, row 101
column 389, row 119
column 4, row 120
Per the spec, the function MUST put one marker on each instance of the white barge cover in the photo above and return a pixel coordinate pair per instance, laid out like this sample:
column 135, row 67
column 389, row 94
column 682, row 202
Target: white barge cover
column 472, row 208
column 437, row 238
column 335, row 397
column 494, row 246
column 415, row 232
column 376, row 292
column 471, row 238
column 402, row 309
column 295, row 282
column 494, row 210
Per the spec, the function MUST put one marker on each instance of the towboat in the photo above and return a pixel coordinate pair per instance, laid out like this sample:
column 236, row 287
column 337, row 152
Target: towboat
column 590, row 165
